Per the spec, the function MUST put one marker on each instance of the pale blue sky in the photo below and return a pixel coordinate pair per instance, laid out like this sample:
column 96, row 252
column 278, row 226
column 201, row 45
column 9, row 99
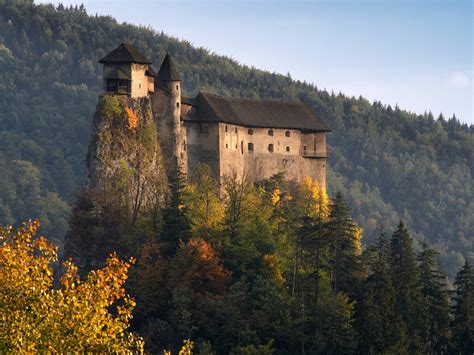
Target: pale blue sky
column 417, row 53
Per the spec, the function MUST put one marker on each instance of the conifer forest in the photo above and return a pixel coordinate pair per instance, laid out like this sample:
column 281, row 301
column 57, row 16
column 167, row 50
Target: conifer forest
column 379, row 263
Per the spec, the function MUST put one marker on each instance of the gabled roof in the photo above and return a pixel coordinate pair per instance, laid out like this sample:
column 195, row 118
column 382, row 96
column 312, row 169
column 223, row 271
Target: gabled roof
column 167, row 71
column 256, row 113
column 125, row 53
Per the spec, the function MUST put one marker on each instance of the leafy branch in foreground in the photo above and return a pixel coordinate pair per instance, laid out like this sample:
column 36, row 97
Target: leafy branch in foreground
column 37, row 317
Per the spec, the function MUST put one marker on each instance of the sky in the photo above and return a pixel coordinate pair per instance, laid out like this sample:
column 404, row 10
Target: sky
column 414, row 53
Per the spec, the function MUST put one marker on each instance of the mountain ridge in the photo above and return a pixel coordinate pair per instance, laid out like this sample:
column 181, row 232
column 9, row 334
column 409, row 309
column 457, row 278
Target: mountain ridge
column 390, row 163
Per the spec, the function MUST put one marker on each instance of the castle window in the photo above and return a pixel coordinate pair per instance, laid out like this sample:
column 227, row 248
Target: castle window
column 177, row 87
column 304, row 148
column 226, row 146
column 184, row 145
column 287, row 149
column 177, row 104
column 250, row 147
column 241, row 147
column 226, row 129
column 204, row 127
column 287, row 133
column 270, row 148
column 236, row 146
column 235, row 129
column 270, row 132
column 139, row 86
column 250, row 131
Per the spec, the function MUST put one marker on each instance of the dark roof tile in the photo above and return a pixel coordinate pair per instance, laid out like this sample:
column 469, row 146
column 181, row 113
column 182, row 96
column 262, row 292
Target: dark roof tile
column 125, row 53
column 168, row 70
column 256, row 113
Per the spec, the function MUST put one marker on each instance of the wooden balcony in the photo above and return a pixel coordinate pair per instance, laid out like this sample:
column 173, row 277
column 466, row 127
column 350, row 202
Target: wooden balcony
column 314, row 154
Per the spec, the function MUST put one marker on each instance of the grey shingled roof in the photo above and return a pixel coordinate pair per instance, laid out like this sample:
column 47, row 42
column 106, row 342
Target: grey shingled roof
column 168, row 70
column 125, row 53
column 256, row 113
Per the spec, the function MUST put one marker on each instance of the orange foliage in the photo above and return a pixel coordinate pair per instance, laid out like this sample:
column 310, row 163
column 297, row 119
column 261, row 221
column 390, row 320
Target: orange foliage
column 132, row 118
column 198, row 268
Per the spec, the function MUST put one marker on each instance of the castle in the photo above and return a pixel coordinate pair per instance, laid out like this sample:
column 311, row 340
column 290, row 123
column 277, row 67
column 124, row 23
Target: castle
column 256, row 138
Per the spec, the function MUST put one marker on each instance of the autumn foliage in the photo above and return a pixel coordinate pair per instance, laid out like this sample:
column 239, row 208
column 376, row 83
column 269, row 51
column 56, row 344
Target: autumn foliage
column 132, row 118
column 37, row 317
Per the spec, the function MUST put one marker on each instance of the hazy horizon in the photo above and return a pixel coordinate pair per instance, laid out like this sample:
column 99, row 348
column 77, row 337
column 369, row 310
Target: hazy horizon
column 417, row 54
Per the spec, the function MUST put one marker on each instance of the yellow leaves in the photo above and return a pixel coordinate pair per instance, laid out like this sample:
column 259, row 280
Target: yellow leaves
column 313, row 200
column 358, row 240
column 276, row 196
column 39, row 318
column 272, row 262
column 187, row 348
column 132, row 118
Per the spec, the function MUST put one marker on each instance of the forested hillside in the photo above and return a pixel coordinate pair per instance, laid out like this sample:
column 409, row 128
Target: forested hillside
column 389, row 163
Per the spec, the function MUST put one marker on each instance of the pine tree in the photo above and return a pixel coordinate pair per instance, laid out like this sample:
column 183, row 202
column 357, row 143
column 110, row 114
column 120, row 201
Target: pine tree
column 434, row 289
column 381, row 329
column 463, row 299
column 406, row 282
column 176, row 226
column 343, row 237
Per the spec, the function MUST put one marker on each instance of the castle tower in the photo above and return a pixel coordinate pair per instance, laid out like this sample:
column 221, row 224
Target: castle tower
column 167, row 108
column 127, row 72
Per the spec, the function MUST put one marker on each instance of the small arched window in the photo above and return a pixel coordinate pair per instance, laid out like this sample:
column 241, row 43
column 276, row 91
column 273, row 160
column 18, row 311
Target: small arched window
column 250, row 131
column 226, row 128
column 270, row 148
column 270, row 132
column 235, row 129
column 250, row 147
column 287, row 134
column 287, row 149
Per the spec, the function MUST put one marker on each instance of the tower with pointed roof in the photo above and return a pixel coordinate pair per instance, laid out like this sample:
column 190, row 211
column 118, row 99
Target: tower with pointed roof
column 127, row 72
column 167, row 107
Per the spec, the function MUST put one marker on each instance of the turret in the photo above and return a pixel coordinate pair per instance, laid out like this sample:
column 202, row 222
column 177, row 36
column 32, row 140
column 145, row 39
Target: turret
column 169, row 82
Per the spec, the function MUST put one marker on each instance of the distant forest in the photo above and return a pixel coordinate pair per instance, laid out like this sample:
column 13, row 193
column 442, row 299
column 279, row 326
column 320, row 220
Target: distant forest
column 390, row 164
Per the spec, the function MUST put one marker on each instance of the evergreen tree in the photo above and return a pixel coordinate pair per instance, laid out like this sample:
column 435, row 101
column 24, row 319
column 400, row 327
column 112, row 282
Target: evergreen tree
column 434, row 289
column 343, row 237
column 406, row 282
column 463, row 324
column 176, row 227
column 381, row 329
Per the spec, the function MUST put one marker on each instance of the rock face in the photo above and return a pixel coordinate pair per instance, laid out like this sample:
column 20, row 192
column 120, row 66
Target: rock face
column 124, row 155
column 126, row 182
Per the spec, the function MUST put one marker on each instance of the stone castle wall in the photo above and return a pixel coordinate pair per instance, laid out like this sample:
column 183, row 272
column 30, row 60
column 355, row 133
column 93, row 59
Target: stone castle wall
column 140, row 82
column 167, row 111
column 257, row 152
